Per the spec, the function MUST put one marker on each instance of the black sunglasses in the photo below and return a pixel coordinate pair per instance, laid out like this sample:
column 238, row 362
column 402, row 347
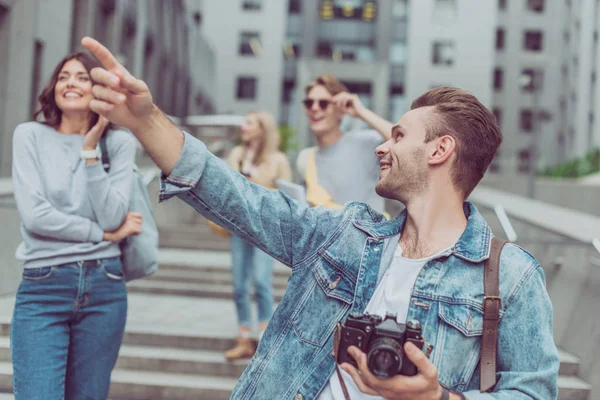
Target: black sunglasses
column 323, row 104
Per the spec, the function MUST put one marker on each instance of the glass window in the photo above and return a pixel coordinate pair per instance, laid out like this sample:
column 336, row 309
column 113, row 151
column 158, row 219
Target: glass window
column 498, row 114
column 287, row 90
column 498, row 79
column 502, row 4
column 533, row 40
column 530, row 79
column 499, row 39
column 536, row 6
column 398, row 53
column 445, row 10
column 295, row 7
column 443, row 52
column 400, row 9
column 252, row 5
column 524, row 157
column 249, row 43
column 526, row 121
column 246, row 88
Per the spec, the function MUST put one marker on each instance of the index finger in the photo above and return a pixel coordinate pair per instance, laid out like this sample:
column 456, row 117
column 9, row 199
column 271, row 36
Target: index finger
column 420, row 360
column 102, row 53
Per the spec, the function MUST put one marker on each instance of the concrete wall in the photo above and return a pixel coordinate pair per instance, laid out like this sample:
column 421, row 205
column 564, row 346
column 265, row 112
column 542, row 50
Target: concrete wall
column 10, row 237
column 565, row 193
column 472, row 29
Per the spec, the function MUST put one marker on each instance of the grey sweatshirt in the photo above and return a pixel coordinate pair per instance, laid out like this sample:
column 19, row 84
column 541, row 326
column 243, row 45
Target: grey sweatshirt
column 66, row 205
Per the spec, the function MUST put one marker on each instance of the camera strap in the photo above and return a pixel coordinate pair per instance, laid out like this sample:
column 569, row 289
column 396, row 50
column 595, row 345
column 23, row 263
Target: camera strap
column 336, row 345
column 491, row 315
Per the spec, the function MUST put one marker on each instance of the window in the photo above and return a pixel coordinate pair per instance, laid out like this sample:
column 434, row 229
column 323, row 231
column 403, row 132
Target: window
column 287, row 91
column 249, row 43
column 252, row 5
column 498, row 78
column 499, row 39
column 399, row 9
column 502, row 4
column 295, row 7
column 530, row 75
column 526, row 121
column 532, row 40
column 443, row 52
column 398, row 53
column 524, row 157
column 444, row 10
column 536, row 6
column 498, row 114
column 246, row 88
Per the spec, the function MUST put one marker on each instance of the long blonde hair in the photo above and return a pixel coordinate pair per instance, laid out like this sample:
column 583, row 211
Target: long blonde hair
column 270, row 138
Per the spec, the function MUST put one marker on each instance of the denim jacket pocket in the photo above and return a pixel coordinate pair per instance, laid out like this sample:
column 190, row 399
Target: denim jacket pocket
column 458, row 343
column 325, row 302
column 37, row 274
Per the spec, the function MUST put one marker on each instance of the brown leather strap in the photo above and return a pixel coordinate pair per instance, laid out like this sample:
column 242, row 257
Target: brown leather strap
column 491, row 314
column 336, row 345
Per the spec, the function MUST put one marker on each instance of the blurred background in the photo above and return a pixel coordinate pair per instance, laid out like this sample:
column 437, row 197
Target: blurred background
column 533, row 63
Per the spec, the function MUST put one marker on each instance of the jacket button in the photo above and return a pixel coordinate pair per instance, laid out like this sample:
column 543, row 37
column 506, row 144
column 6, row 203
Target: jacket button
column 298, row 397
column 333, row 285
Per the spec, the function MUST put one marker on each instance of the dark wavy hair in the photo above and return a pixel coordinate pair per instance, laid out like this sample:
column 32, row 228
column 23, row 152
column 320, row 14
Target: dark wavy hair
column 48, row 108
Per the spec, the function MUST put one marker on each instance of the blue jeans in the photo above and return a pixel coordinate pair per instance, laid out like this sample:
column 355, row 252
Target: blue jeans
column 247, row 261
column 67, row 328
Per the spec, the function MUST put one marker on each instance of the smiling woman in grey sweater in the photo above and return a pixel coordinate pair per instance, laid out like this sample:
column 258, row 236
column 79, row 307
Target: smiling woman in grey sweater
column 71, row 305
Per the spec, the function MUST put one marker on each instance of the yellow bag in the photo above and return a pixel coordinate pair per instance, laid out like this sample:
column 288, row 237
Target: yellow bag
column 218, row 230
column 315, row 193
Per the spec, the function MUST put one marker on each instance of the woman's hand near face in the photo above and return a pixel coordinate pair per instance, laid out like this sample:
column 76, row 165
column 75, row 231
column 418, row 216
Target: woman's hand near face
column 92, row 137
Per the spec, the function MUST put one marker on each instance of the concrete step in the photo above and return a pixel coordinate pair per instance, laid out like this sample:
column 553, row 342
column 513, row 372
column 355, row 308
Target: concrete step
column 165, row 359
column 573, row 388
column 197, row 236
column 188, row 289
column 569, row 364
column 206, row 277
column 164, row 337
column 279, row 271
column 144, row 385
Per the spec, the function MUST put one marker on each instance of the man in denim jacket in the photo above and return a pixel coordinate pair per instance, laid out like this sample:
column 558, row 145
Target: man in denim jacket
column 437, row 154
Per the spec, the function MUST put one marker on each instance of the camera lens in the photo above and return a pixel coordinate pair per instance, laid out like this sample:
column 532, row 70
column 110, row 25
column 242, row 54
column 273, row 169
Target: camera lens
column 384, row 357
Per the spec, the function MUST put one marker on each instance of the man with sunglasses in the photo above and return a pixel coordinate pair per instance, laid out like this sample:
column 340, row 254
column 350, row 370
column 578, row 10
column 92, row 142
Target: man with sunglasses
column 344, row 170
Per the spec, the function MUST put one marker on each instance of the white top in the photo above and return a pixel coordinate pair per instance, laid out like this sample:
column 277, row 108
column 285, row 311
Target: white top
column 391, row 296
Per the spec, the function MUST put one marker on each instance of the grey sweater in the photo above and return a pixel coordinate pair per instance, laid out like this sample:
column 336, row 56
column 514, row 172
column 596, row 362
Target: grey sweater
column 66, row 205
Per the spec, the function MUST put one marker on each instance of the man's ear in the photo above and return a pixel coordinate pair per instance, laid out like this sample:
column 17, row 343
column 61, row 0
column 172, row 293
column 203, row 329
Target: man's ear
column 442, row 149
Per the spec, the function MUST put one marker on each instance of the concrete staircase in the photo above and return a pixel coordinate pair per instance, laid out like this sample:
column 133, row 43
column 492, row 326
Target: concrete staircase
column 166, row 357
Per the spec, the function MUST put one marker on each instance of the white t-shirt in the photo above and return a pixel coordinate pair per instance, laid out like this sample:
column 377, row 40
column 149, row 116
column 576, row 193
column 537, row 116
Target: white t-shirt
column 392, row 295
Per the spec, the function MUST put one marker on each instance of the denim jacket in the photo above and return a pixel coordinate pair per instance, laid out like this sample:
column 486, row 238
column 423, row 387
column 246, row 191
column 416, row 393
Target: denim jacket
column 336, row 257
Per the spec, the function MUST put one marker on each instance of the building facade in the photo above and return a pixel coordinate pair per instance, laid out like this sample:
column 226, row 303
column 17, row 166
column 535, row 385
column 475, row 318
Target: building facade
column 248, row 38
column 156, row 40
column 388, row 52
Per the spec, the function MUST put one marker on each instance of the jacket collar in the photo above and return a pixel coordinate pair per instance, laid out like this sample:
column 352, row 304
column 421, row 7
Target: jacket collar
column 473, row 245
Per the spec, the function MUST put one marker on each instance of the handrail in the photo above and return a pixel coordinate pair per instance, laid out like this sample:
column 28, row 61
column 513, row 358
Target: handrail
column 511, row 235
column 560, row 220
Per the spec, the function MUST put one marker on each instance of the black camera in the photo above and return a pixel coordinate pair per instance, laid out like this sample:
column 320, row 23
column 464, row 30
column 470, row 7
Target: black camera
column 382, row 340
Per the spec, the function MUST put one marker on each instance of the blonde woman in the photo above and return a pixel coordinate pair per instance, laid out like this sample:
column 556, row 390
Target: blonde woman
column 259, row 160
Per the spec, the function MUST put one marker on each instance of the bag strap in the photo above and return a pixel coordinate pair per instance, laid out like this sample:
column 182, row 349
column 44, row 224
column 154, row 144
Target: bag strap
column 336, row 345
column 104, row 150
column 491, row 315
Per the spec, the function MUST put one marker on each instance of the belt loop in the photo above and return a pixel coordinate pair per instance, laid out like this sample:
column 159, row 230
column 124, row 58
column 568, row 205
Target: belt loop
column 98, row 262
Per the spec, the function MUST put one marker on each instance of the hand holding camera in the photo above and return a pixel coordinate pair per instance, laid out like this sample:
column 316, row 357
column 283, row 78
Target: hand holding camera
column 385, row 358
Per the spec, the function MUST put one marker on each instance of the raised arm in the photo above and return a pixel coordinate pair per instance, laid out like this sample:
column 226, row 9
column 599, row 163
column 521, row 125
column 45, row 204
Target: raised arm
column 268, row 219
column 351, row 104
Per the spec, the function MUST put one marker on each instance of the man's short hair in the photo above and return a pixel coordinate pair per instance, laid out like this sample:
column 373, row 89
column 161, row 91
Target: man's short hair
column 329, row 82
column 459, row 114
